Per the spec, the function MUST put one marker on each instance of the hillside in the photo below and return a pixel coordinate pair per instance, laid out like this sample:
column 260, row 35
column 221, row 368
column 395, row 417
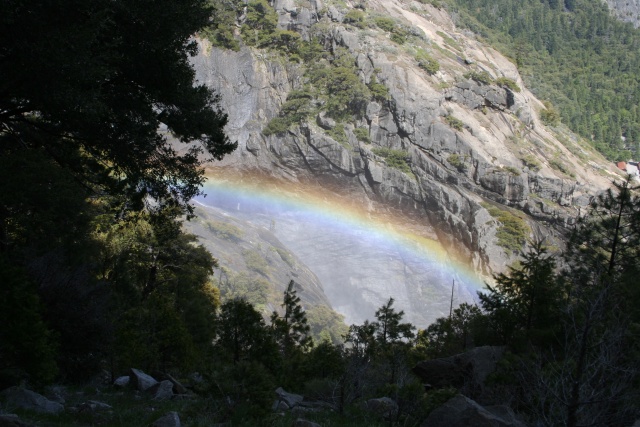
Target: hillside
column 391, row 107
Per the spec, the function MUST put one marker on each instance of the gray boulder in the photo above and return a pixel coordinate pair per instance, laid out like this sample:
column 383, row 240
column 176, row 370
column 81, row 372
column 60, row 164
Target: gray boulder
column 461, row 411
column 178, row 387
column 122, row 381
column 290, row 399
column 172, row 419
column 142, row 381
column 466, row 371
column 162, row 391
column 17, row 397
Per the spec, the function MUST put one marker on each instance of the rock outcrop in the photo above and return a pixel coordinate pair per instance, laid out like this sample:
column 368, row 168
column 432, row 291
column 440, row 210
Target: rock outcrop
column 626, row 10
column 468, row 141
column 466, row 372
column 21, row 398
column 461, row 411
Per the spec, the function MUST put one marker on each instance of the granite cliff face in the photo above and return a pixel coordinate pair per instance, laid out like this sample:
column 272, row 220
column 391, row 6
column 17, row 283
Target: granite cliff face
column 626, row 10
column 472, row 143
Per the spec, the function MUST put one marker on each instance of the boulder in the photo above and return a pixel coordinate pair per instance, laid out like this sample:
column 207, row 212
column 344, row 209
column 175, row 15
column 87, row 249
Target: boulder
column 461, row 411
column 290, row 399
column 178, row 387
column 466, row 371
column 172, row 419
column 17, row 397
column 384, row 407
column 142, row 381
column 56, row 393
column 162, row 390
column 122, row 381
column 325, row 121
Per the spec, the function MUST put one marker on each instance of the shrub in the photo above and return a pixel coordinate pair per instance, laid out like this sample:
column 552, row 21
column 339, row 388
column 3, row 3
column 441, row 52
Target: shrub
column 338, row 134
column 505, row 81
column 225, row 231
column 427, row 63
column 397, row 159
column 550, row 115
column 457, row 162
column 255, row 262
column 362, row 134
column 513, row 230
column 277, row 125
column 399, row 35
column 455, row 123
column 355, row 17
column 531, row 162
column 558, row 165
column 450, row 41
column 481, row 77
column 384, row 23
column 379, row 92
column 512, row 170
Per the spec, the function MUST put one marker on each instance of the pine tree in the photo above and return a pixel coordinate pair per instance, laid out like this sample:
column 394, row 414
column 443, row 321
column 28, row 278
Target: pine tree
column 291, row 329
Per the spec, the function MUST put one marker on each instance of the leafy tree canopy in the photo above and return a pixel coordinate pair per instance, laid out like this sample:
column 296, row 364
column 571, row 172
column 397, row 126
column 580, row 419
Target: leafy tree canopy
column 90, row 83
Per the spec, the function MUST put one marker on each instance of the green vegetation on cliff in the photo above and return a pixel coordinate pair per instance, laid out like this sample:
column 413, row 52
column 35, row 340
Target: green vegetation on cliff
column 573, row 53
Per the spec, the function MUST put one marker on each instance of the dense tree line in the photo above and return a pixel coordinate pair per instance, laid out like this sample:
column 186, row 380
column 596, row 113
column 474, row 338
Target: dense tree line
column 92, row 195
column 575, row 54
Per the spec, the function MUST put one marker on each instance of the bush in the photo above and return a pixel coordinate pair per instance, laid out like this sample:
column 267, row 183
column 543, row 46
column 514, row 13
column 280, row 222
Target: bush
column 338, row 134
column 277, row 125
column 513, row 230
column 384, row 23
column 399, row 35
column 531, row 162
column 550, row 115
column 397, row 159
column 505, row 81
column 255, row 262
column 455, row 123
column 450, row 41
column 379, row 92
column 28, row 347
column 362, row 134
column 225, row 231
column 457, row 162
column 558, row 165
column 481, row 77
column 427, row 63
column 512, row 170
column 355, row 17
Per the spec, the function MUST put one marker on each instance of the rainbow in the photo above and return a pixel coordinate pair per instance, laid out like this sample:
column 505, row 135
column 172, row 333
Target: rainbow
column 318, row 205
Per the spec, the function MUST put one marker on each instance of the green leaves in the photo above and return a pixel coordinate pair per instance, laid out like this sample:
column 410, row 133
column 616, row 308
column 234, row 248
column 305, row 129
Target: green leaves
column 91, row 83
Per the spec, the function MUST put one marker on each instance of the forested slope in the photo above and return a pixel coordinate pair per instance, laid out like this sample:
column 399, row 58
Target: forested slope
column 574, row 54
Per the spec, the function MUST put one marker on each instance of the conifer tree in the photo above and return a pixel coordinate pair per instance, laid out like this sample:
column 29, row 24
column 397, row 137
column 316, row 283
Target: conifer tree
column 291, row 329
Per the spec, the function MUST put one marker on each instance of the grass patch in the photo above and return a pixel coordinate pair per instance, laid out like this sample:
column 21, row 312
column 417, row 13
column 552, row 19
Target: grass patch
column 531, row 162
column 513, row 230
column 454, row 122
column 450, row 41
column 362, row 134
column 511, row 84
column 255, row 262
column 481, row 77
column 457, row 161
column 397, row 159
column 225, row 231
